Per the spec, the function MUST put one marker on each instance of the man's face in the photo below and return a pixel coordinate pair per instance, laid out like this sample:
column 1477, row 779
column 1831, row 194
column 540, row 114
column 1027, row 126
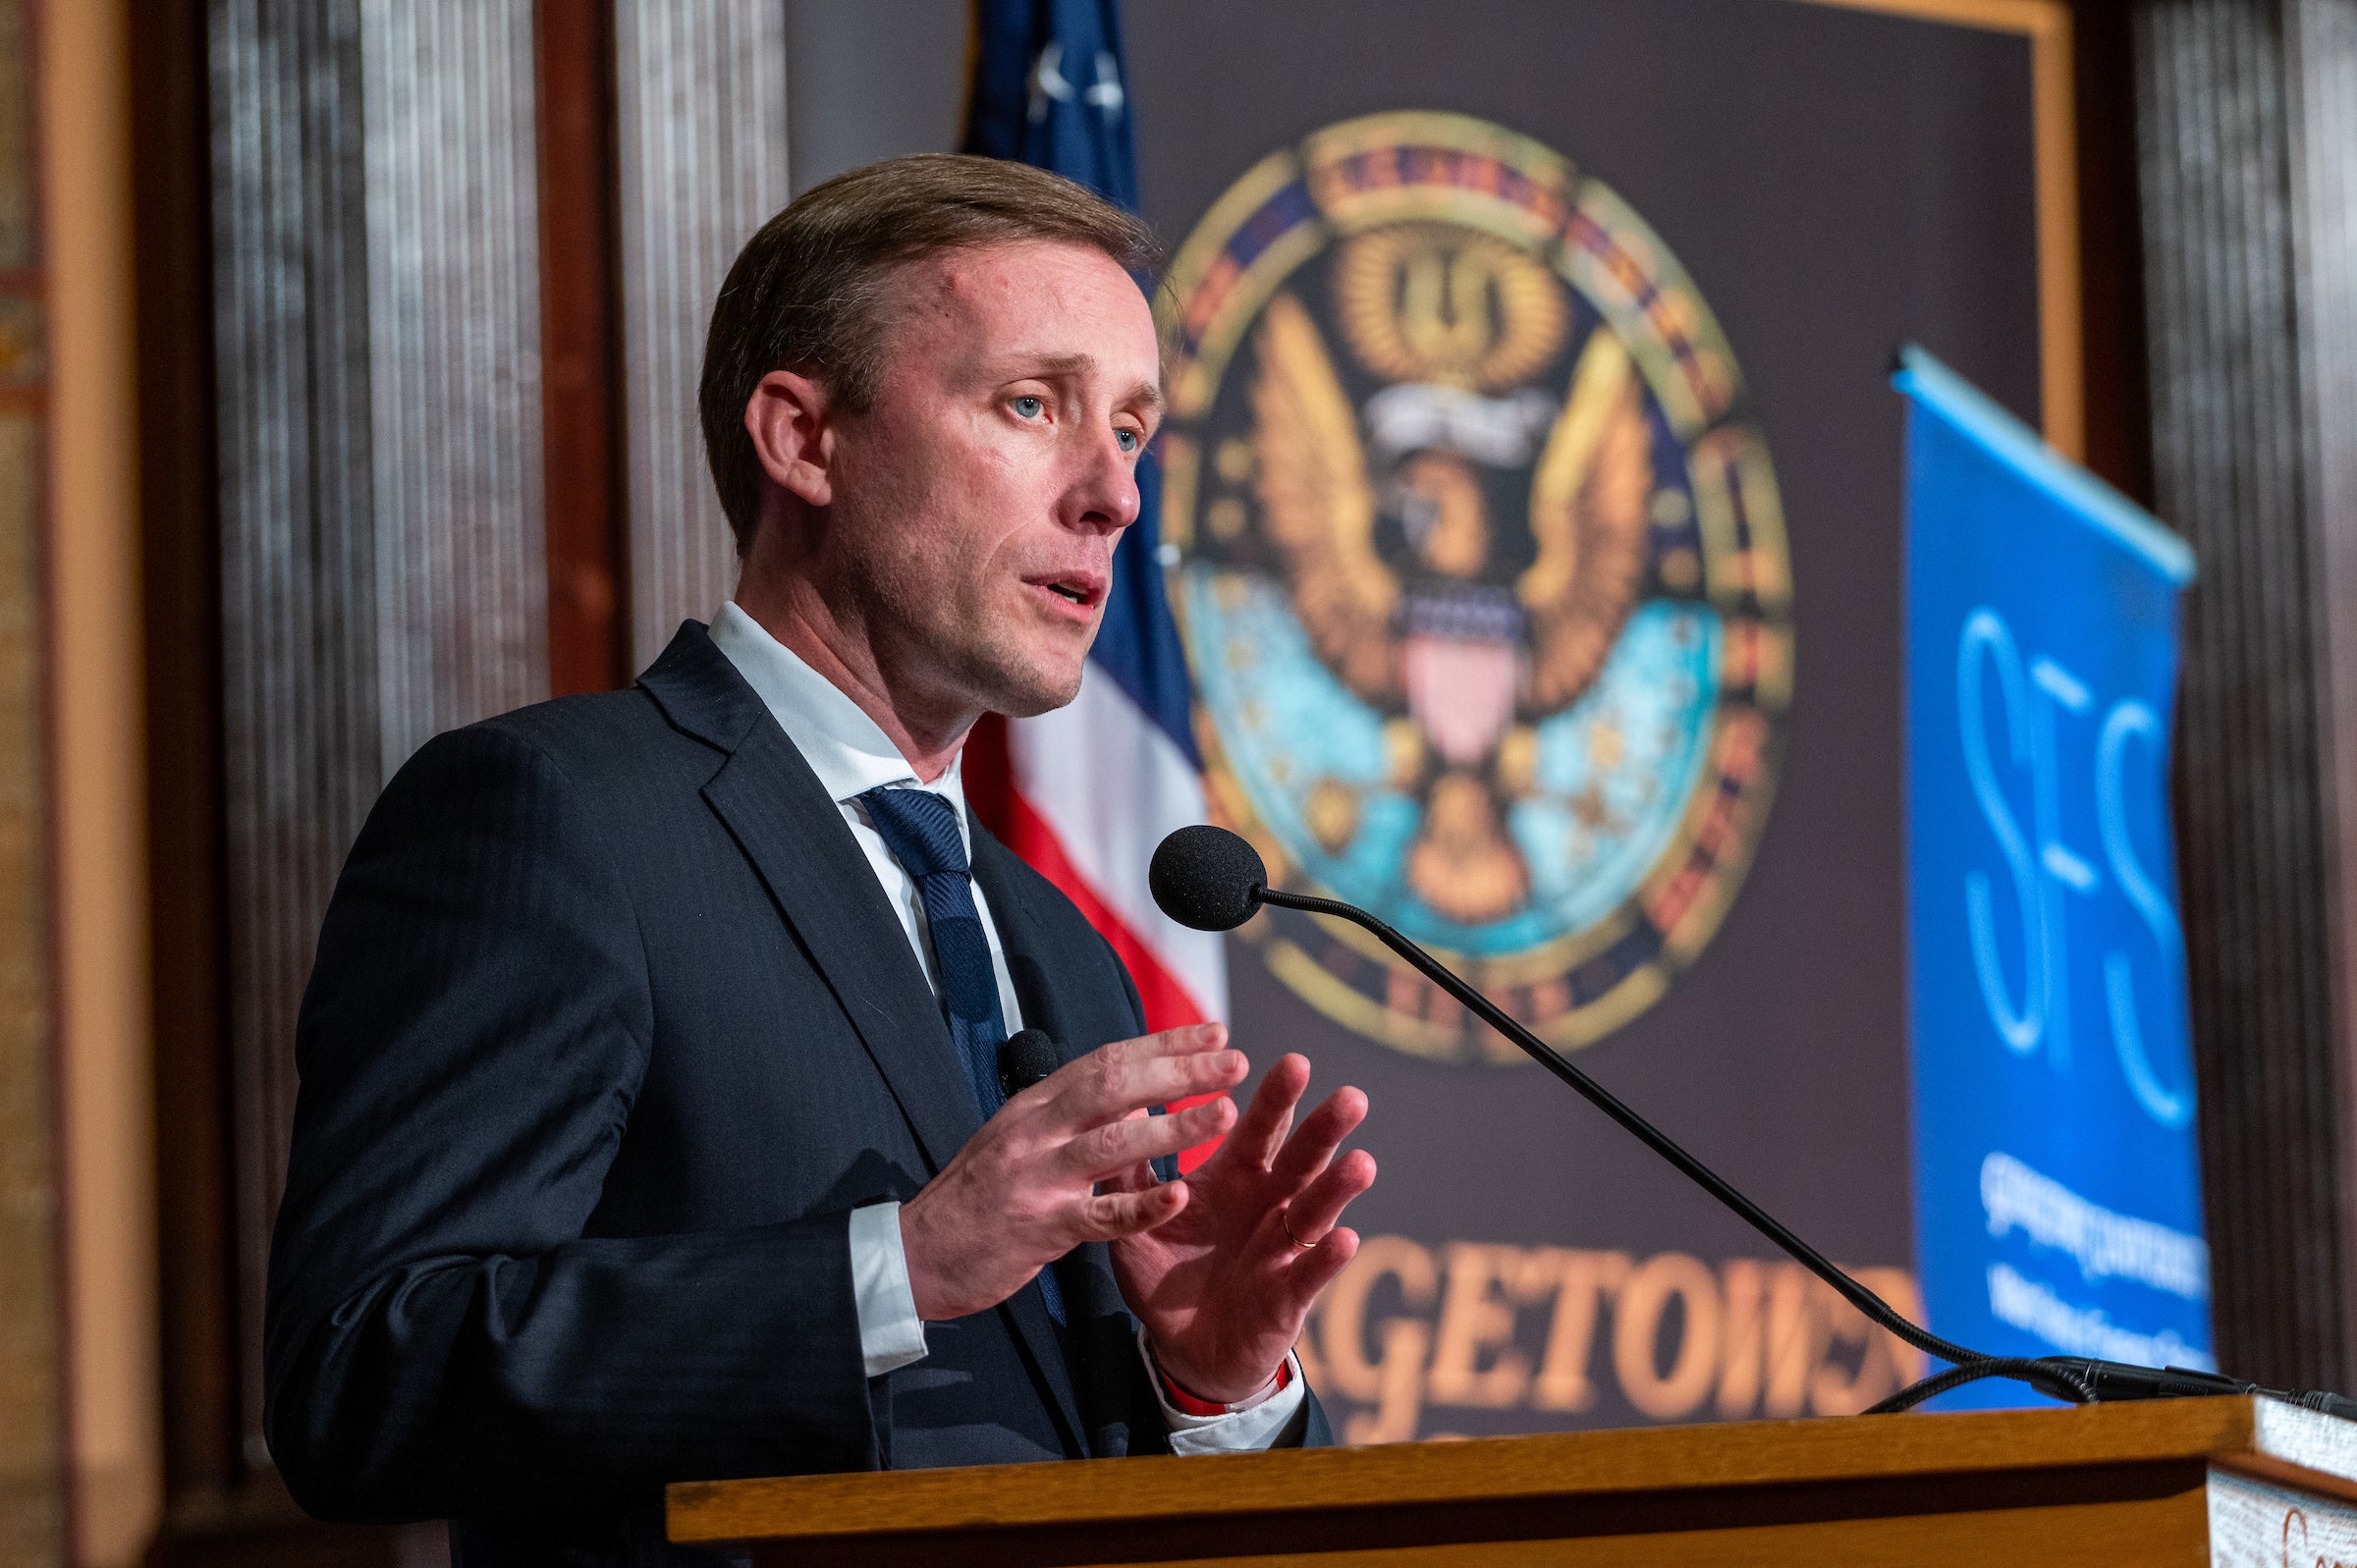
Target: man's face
column 977, row 504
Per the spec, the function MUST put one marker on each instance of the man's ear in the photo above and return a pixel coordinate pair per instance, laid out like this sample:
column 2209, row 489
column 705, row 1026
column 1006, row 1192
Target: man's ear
column 789, row 418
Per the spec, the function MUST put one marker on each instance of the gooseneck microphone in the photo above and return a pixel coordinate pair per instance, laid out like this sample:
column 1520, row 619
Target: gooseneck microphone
column 1211, row 880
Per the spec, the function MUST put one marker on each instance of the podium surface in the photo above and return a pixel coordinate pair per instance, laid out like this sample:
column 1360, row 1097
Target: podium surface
column 2203, row 1480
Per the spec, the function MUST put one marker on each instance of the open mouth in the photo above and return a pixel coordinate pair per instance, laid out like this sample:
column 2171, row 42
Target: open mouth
column 1082, row 591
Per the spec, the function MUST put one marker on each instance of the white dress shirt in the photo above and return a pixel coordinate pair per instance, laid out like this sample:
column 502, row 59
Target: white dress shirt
column 851, row 755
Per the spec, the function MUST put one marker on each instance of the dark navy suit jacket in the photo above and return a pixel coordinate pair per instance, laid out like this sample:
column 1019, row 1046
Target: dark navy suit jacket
column 611, row 1027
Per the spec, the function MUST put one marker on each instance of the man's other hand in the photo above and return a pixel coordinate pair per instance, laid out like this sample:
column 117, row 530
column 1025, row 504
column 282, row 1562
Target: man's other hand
column 1223, row 1287
column 1023, row 1191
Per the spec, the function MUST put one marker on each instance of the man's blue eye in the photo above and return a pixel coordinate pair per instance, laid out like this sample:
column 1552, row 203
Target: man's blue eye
column 1030, row 408
column 1128, row 439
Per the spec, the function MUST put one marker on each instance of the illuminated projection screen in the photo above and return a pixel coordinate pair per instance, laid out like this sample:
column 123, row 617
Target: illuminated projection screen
column 1533, row 516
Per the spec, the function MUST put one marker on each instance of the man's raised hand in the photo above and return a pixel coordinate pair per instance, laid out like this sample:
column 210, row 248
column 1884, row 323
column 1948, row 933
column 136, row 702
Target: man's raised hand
column 1223, row 1284
column 1024, row 1190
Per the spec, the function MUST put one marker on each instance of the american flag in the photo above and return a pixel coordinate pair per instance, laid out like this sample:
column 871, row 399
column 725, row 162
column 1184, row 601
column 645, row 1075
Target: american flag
column 1086, row 792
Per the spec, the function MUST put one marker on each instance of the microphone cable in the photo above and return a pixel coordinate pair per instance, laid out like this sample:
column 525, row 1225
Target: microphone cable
column 2056, row 1381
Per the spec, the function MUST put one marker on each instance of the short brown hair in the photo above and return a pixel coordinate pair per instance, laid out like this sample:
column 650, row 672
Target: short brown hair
column 805, row 292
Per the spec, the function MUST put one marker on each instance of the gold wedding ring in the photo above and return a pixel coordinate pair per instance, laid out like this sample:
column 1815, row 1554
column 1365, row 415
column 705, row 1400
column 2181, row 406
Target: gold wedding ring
column 1305, row 1246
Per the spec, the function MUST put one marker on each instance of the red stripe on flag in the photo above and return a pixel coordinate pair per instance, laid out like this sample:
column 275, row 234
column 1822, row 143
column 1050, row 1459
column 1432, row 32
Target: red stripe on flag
column 1006, row 812
column 1167, row 1003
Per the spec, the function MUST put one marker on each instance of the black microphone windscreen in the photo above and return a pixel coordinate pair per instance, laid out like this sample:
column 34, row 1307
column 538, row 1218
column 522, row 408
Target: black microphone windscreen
column 1207, row 878
column 1025, row 1057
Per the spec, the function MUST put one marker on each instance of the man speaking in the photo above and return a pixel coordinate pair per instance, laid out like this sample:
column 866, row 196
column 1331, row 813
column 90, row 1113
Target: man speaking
column 652, row 1123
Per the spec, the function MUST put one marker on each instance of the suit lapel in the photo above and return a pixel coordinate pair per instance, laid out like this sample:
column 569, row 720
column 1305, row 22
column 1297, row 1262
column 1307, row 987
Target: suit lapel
column 1020, row 937
column 796, row 837
column 814, row 869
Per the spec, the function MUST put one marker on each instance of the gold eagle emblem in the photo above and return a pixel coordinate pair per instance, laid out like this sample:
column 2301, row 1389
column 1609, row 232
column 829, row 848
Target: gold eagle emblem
column 1394, row 526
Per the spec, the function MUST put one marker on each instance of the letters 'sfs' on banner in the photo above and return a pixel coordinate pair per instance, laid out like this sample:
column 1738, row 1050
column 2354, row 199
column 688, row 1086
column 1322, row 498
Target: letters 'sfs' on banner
column 2057, row 1193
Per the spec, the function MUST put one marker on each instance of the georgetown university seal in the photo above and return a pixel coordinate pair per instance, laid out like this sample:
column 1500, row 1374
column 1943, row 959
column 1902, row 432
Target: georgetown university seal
column 1481, row 573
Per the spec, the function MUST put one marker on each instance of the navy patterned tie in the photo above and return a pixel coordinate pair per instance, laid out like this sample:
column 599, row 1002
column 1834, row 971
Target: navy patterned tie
column 920, row 829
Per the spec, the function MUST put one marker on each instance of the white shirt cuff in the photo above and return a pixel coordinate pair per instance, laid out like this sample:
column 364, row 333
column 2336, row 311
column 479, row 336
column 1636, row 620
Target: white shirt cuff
column 1240, row 1431
column 889, row 1334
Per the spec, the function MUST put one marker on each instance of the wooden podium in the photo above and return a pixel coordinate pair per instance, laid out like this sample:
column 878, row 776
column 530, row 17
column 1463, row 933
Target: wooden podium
column 2207, row 1480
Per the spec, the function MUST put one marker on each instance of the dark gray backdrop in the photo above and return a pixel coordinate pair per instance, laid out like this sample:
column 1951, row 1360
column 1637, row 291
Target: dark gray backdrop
column 1835, row 182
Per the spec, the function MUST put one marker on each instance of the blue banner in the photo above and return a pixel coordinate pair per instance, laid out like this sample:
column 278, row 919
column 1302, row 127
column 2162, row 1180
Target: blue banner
column 2058, row 1188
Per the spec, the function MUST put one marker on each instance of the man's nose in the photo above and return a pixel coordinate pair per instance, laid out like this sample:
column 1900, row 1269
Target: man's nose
column 1104, row 496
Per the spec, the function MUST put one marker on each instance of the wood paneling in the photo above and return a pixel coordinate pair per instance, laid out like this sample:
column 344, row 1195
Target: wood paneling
column 31, row 1348
column 32, row 1527
column 581, row 388
column 300, row 748
column 701, row 132
column 98, row 789
column 377, row 320
column 2120, row 445
column 2322, row 40
column 181, row 608
column 2245, row 148
column 459, row 579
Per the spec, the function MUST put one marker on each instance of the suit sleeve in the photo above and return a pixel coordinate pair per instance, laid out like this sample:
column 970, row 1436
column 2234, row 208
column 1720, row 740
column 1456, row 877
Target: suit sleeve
column 442, row 1335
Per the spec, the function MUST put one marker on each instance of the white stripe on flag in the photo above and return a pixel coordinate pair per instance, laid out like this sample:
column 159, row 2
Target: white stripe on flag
column 1111, row 784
